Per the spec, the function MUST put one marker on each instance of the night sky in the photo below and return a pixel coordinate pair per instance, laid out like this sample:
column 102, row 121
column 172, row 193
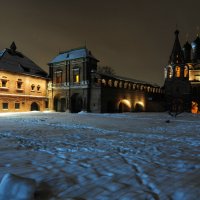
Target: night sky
column 135, row 38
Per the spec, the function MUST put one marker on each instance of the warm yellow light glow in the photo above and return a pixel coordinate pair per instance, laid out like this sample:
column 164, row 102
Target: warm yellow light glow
column 77, row 78
column 178, row 71
column 194, row 108
column 185, row 71
column 126, row 102
column 169, row 72
column 141, row 103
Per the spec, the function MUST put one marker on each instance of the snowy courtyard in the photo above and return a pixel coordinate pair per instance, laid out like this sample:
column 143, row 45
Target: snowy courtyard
column 128, row 156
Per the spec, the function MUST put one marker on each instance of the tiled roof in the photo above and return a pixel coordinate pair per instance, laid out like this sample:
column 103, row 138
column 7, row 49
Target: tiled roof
column 72, row 54
column 16, row 62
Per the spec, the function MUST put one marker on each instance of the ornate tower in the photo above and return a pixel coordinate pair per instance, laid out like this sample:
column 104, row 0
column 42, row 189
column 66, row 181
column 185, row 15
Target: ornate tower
column 177, row 85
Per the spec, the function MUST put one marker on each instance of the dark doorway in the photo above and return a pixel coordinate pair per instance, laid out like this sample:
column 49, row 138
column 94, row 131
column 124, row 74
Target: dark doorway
column 138, row 107
column 59, row 104
column 63, row 105
column 76, row 103
column 35, row 107
column 56, row 104
column 111, row 107
column 177, row 106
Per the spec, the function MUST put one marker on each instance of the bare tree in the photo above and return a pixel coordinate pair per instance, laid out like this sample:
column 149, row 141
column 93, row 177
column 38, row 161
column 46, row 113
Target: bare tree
column 106, row 70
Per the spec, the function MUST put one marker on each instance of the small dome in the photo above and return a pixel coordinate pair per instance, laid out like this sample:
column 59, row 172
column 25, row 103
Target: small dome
column 187, row 46
column 187, row 52
column 196, row 50
column 196, row 43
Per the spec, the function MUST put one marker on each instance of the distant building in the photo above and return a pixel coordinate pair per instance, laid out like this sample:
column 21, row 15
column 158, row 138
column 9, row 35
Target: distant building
column 182, row 76
column 76, row 85
column 23, row 84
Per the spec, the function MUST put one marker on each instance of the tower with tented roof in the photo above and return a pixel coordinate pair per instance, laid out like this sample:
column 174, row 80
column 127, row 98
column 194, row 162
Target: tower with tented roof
column 177, row 85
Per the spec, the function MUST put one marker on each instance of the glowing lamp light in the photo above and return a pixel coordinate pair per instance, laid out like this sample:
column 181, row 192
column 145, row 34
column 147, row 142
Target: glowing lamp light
column 126, row 102
column 194, row 108
column 141, row 103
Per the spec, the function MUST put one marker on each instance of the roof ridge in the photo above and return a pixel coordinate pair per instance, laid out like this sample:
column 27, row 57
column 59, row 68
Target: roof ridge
column 74, row 49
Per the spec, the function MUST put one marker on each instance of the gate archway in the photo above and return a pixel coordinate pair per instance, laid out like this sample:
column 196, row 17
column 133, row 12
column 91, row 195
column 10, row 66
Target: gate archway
column 139, row 107
column 124, row 106
column 76, row 103
column 35, row 107
column 59, row 104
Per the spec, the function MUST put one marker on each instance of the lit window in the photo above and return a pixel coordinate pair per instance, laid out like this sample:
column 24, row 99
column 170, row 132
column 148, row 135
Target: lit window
column 120, row 84
column 185, row 71
column 77, row 78
column 58, row 73
column 103, row 82
column 17, row 106
column 178, row 71
column 125, row 85
column 5, row 106
column 165, row 73
column 169, row 72
column 116, row 83
column 110, row 83
column 76, row 75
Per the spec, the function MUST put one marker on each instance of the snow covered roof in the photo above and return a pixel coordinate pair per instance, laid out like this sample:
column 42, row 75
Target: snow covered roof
column 14, row 61
column 82, row 52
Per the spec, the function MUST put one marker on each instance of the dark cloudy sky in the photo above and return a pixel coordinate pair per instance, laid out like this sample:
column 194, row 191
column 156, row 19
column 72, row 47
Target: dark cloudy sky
column 133, row 37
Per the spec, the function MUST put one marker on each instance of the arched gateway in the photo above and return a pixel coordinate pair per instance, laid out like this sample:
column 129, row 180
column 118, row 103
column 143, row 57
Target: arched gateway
column 35, row 107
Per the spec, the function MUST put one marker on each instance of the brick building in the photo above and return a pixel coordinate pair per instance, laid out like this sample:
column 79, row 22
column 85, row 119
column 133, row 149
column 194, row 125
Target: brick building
column 77, row 85
column 23, row 84
column 182, row 76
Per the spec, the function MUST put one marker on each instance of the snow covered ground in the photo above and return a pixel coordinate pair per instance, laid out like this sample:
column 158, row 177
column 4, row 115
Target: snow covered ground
column 104, row 156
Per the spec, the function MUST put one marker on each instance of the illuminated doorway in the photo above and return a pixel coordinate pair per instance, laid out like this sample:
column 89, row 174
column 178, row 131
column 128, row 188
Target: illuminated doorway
column 124, row 106
column 194, row 108
column 139, row 107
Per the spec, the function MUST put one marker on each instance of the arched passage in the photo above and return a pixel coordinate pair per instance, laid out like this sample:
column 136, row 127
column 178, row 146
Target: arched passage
column 124, row 106
column 111, row 106
column 35, row 107
column 76, row 103
column 59, row 104
column 139, row 107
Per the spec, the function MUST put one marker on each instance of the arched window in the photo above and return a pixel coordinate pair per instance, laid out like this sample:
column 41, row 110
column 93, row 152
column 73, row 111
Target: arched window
column 76, row 74
column 120, row 84
column 125, row 85
column 185, row 71
column 116, row 84
column 169, row 72
column 165, row 73
column 38, row 88
column 103, row 81
column 19, row 84
column 110, row 83
column 129, row 86
column 32, row 87
column 177, row 71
